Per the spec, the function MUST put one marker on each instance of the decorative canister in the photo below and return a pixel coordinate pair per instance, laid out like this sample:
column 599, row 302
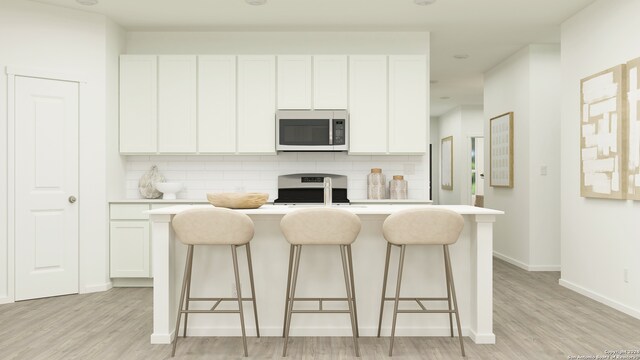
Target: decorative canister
column 398, row 187
column 376, row 185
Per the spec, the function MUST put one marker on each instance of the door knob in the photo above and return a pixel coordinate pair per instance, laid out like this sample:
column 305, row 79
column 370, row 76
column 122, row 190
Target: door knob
column 72, row 199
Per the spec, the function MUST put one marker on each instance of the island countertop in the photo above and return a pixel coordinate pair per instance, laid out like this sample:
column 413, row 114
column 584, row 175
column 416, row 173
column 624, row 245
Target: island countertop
column 369, row 209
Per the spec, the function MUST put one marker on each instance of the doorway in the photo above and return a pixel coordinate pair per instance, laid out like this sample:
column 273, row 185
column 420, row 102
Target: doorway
column 477, row 171
column 44, row 115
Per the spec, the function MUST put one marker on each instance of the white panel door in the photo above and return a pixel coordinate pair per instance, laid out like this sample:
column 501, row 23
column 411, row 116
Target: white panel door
column 177, row 104
column 408, row 98
column 330, row 79
column 46, row 176
column 256, row 104
column 138, row 104
column 216, row 104
column 368, row 104
column 294, row 82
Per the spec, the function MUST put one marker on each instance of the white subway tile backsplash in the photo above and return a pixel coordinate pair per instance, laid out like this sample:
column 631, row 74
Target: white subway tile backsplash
column 221, row 173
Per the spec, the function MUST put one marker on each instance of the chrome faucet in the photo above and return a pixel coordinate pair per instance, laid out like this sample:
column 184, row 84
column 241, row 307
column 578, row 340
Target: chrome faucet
column 328, row 191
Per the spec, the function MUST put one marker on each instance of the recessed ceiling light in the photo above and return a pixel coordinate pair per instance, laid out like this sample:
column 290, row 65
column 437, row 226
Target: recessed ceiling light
column 445, row 97
column 87, row 2
column 256, row 2
column 424, row 2
column 461, row 56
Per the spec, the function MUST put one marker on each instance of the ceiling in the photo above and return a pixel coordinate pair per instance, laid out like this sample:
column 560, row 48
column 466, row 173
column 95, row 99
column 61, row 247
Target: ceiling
column 486, row 30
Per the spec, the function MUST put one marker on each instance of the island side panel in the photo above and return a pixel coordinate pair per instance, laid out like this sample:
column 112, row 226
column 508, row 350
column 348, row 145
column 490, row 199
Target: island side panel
column 481, row 329
column 163, row 284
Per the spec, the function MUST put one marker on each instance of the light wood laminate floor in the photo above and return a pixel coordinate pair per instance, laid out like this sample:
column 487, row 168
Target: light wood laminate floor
column 534, row 318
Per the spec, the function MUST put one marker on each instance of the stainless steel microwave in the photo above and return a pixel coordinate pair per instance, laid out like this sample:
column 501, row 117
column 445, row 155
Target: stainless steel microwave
column 312, row 130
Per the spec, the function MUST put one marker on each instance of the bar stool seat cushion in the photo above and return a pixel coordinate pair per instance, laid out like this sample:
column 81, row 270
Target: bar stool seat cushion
column 214, row 226
column 423, row 227
column 322, row 226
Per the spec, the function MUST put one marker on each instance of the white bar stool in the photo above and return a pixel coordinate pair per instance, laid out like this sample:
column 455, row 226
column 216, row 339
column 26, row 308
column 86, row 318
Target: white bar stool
column 321, row 226
column 214, row 226
column 421, row 227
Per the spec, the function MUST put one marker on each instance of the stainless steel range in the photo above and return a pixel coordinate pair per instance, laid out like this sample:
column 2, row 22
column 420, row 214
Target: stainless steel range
column 309, row 189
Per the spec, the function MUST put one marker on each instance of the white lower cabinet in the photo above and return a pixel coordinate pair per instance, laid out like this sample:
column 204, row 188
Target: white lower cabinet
column 129, row 241
column 130, row 249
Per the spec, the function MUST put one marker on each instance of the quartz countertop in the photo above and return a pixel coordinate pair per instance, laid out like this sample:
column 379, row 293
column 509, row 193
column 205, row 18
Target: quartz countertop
column 372, row 209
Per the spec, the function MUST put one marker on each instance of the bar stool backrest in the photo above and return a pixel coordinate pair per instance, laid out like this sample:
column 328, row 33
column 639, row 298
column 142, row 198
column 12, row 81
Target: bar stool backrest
column 423, row 226
column 322, row 226
column 213, row 226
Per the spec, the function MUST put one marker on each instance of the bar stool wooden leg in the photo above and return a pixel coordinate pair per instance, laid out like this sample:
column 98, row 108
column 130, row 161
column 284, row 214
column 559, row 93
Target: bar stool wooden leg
column 286, row 300
column 397, row 299
column 348, row 286
column 353, row 288
column 384, row 286
column 182, row 294
column 297, row 254
column 234, row 253
column 253, row 289
column 446, row 275
column 453, row 294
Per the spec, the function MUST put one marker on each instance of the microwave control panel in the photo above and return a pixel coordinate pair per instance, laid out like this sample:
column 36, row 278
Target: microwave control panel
column 338, row 132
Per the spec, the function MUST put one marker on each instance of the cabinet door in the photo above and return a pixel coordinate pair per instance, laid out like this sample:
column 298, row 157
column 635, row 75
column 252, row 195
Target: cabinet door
column 294, row 82
column 368, row 104
column 129, row 248
column 177, row 104
column 256, row 104
column 330, row 80
column 216, row 104
column 408, row 94
column 138, row 104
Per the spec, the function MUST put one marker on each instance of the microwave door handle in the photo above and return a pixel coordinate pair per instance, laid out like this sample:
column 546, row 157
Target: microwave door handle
column 331, row 131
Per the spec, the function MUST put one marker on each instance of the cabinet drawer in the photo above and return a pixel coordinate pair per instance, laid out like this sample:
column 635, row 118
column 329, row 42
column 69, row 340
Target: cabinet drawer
column 129, row 211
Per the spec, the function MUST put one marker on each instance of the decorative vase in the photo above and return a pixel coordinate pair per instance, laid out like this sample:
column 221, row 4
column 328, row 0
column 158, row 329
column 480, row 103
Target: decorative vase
column 376, row 185
column 398, row 187
column 146, row 185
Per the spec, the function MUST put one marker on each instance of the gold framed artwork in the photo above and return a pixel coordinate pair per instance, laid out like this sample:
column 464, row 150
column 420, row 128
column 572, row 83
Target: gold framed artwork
column 603, row 164
column 501, row 150
column 633, row 129
column 446, row 163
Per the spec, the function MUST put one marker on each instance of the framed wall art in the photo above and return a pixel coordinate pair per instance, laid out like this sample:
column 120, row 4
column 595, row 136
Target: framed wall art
column 633, row 129
column 501, row 150
column 446, row 163
column 603, row 162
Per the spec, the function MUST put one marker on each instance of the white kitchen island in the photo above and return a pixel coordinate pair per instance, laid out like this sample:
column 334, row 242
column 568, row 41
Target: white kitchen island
column 321, row 276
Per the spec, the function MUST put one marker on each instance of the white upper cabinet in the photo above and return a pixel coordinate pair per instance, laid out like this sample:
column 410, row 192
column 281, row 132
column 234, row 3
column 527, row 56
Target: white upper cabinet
column 368, row 104
column 408, row 94
column 138, row 104
column 216, row 104
column 330, row 79
column 177, row 103
column 256, row 104
column 294, row 82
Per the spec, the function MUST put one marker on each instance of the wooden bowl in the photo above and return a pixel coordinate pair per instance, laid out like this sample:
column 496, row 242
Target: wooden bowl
column 238, row 200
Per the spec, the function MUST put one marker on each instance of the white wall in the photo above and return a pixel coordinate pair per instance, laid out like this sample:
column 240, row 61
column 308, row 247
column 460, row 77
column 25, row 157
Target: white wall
column 434, row 125
column 38, row 36
column 600, row 238
column 527, row 84
column 462, row 123
column 202, row 174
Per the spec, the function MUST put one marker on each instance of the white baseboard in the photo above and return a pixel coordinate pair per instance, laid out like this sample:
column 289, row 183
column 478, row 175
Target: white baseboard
column 328, row 331
column 6, row 300
column 482, row 338
column 96, row 288
column 132, row 282
column 524, row 266
column 600, row 298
